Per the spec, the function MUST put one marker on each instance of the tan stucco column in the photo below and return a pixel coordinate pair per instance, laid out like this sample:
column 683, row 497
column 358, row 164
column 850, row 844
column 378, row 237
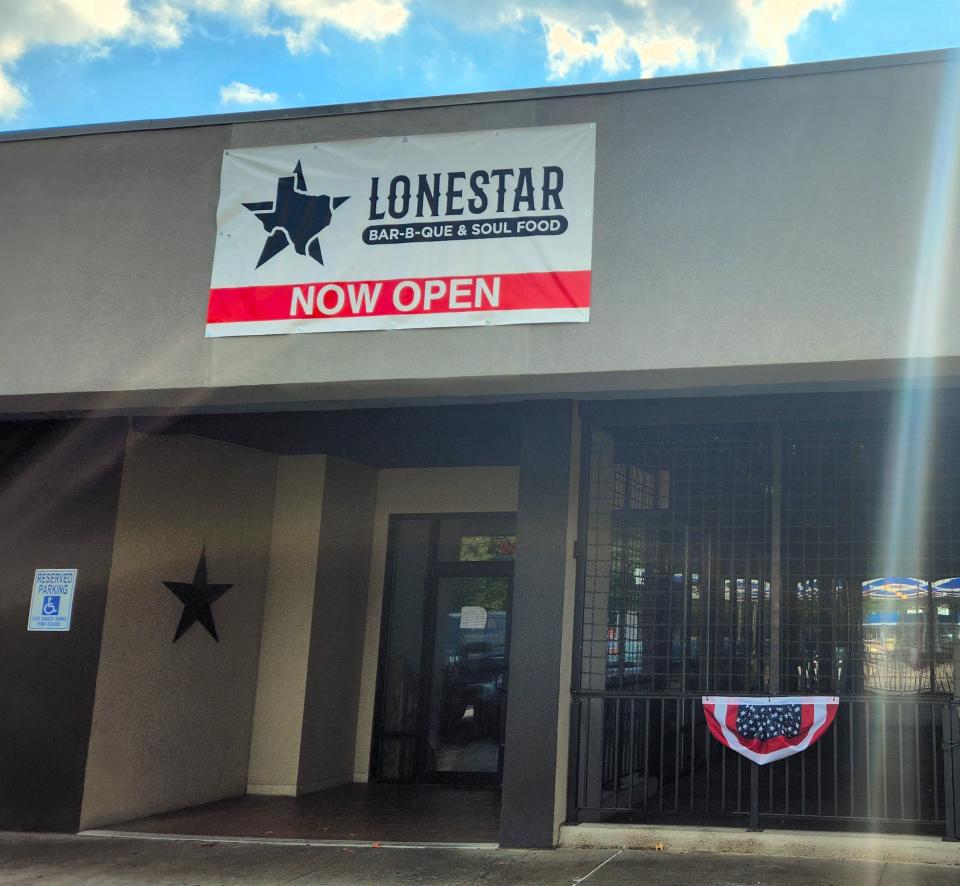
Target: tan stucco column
column 287, row 618
column 304, row 723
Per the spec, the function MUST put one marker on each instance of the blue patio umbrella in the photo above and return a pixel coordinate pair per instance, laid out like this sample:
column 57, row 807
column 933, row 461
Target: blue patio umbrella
column 889, row 588
column 947, row 587
column 887, row 619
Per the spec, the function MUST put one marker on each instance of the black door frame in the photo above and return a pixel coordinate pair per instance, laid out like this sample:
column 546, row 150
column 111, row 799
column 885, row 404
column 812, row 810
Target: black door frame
column 437, row 569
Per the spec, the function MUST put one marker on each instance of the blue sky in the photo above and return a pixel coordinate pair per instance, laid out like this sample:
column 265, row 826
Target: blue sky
column 65, row 62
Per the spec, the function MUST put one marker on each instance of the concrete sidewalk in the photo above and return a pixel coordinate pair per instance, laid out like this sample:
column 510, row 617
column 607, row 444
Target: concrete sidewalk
column 56, row 859
column 772, row 843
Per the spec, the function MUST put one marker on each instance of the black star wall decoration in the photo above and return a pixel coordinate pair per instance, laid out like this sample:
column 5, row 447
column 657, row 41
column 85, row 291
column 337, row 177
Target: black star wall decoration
column 197, row 597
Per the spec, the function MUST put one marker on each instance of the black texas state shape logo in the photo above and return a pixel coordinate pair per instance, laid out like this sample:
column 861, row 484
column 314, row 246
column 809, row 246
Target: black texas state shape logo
column 294, row 217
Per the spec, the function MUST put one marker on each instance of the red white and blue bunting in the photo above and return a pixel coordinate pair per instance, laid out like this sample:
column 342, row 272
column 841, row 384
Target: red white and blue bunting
column 767, row 729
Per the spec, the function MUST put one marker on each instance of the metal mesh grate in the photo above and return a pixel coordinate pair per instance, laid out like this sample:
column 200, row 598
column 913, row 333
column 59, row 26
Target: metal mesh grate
column 849, row 628
column 754, row 557
column 678, row 560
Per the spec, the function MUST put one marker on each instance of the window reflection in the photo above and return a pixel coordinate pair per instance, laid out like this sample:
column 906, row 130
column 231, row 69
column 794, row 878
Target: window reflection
column 487, row 547
column 477, row 538
column 896, row 653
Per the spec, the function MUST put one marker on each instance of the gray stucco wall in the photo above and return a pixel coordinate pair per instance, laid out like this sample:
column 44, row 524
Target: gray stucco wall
column 746, row 230
column 59, row 487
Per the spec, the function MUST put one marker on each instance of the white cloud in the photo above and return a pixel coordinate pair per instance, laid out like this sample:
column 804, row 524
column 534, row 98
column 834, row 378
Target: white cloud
column 300, row 22
column 93, row 25
column 650, row 36
column 159, row 24
column 12, row 98
column 771, row 22
column 643, row 37
column 237, row 93
column 617, row 48
column 569, row 47
column 24, row 25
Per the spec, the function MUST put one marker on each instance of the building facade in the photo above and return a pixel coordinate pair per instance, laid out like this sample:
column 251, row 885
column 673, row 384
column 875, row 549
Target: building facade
column 515, row 552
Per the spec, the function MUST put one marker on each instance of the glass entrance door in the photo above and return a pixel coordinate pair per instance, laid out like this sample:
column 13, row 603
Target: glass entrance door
column 442, row 683
column 468, row 679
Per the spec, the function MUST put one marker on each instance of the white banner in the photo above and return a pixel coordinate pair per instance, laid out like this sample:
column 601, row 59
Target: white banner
column 461, row 229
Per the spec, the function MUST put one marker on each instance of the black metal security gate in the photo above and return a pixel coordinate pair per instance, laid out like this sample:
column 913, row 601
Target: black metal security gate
column 741, row 558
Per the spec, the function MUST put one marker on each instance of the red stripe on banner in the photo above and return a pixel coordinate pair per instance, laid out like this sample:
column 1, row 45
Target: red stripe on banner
column 768, row 745
column 831, row 713
column 402, row 297
column 731, row 721
column 710, row 712
column 806, row 718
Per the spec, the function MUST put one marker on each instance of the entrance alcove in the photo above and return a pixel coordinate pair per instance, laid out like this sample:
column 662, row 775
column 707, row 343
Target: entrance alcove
column 269, row 729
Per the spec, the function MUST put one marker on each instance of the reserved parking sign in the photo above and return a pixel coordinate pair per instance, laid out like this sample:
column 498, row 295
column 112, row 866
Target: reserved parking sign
column 51, row 603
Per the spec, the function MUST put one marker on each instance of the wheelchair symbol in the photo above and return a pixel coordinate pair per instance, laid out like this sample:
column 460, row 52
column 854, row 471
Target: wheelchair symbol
column 51, row 605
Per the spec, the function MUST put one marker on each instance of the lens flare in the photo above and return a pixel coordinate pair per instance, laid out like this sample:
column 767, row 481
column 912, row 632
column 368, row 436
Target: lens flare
column 913, row 424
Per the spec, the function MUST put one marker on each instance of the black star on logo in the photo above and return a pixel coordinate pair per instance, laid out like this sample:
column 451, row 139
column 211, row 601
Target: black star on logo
column 294, row 217
column 196, row 597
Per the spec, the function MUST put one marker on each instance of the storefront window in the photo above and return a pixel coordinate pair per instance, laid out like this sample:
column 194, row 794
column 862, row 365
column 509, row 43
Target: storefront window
column 860, row 631
column 681, row 576
column 678, row 585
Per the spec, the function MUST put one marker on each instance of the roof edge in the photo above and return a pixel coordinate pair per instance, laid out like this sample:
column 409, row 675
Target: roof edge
column 904, row 59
